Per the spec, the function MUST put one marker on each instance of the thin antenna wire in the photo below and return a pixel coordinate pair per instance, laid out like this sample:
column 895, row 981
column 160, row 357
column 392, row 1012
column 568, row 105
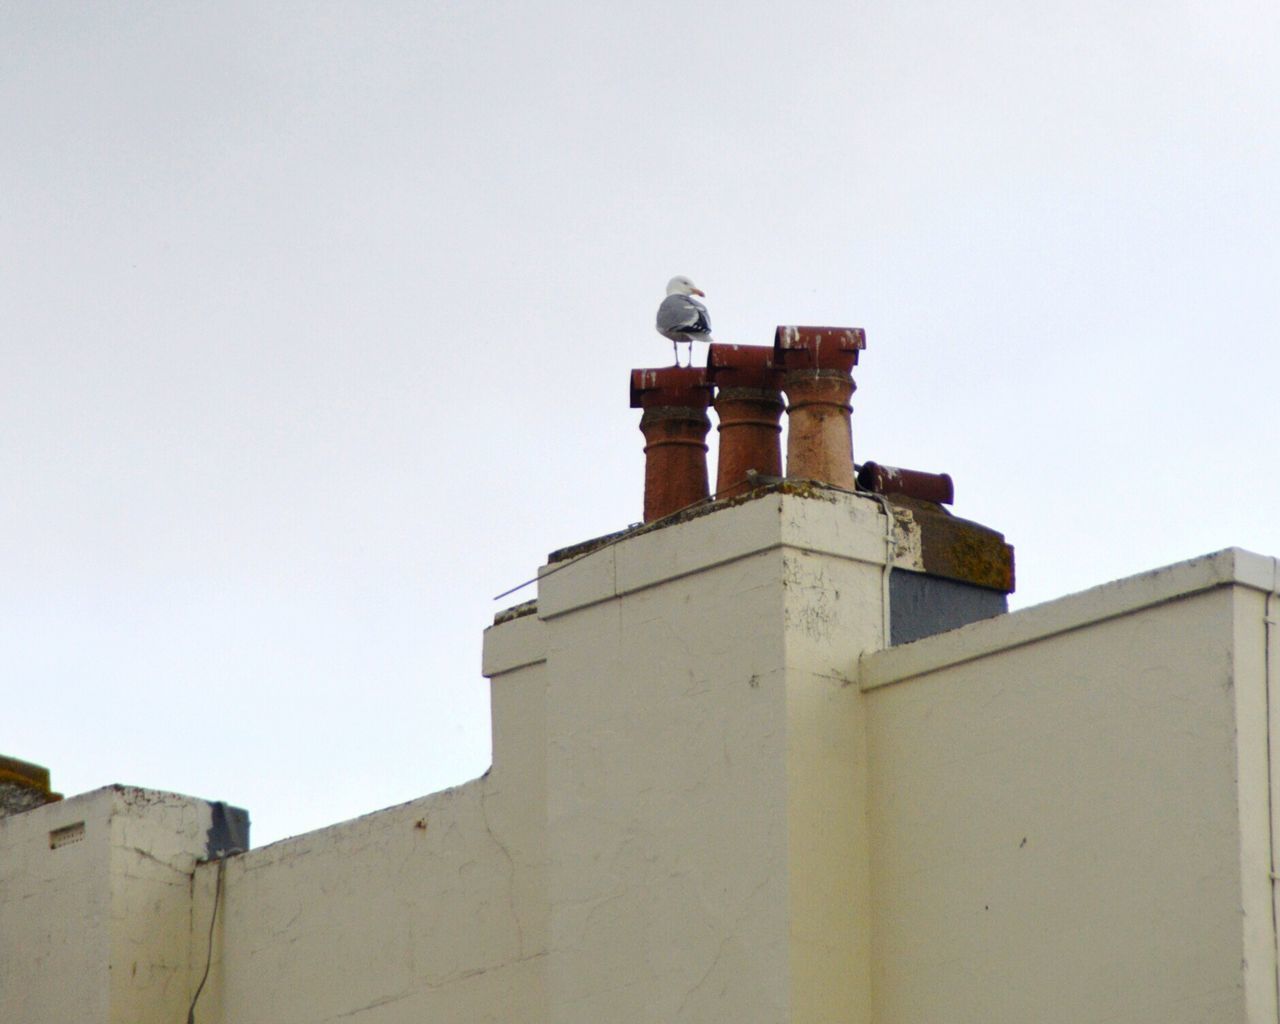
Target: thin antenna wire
column 758, row 479
column 624, row 535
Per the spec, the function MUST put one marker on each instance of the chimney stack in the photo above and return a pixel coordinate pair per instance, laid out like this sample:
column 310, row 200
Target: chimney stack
column 749, row 406
column 23, row 786
column 675, row 425
column 818, row 380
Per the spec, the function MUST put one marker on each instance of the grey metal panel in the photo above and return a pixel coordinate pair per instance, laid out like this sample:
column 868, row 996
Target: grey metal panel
column 228, row 830
column 921, row 605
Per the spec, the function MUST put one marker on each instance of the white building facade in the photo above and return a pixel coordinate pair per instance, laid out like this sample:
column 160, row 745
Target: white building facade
column 719, row 794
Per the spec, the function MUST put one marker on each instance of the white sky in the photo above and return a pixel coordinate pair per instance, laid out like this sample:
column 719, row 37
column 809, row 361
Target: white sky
column 317, row 322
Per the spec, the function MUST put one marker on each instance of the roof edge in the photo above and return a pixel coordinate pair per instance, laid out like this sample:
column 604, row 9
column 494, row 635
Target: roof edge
column 1229, row 567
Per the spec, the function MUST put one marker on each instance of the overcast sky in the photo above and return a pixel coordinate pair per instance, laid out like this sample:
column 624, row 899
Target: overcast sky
column 317, row 324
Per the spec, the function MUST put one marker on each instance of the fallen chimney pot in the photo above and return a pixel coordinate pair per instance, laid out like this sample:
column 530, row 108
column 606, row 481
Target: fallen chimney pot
column 935, row 487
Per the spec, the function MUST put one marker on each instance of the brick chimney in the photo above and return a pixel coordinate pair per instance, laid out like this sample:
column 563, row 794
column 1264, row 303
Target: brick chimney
column 818, row 380
column 749, row 405
column 675, row 425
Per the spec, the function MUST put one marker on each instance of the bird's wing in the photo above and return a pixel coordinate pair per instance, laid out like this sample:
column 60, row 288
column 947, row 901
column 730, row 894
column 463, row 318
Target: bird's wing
column 679, row 312
column 703, row 322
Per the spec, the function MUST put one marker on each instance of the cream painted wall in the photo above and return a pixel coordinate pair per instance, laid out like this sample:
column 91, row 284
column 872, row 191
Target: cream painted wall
column 666, row 834
column 714, row 797
column 832, row 613
column 55, row 914
column 409, row 914
column 432, row 910
column 1075, row 826
column 98, row 929
column 706, row 849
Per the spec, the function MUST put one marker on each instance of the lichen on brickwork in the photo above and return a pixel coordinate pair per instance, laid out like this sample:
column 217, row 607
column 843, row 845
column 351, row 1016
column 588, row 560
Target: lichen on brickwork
column 16, row 798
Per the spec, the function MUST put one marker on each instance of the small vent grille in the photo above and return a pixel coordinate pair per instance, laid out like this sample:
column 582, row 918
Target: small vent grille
column 66, row 835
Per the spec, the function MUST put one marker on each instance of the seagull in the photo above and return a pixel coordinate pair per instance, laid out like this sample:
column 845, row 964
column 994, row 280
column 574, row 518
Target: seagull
column 683, row 318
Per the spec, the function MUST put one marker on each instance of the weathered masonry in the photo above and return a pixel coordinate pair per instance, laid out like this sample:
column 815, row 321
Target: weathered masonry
column 778, row 754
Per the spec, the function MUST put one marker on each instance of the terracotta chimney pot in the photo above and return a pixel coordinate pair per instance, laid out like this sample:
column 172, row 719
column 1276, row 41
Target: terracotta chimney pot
column 914, row 483
column 819, row 383
column 749, row 406
column 675, row 425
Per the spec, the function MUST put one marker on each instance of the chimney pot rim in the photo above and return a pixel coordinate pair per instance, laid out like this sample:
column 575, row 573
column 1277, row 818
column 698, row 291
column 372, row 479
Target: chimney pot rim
column 797, row 346
column 670, row 385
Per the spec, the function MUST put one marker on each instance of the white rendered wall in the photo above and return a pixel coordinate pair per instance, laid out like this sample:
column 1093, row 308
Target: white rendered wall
column 1075, row 827
column 671, row 830
column 55, row 914
column 706, row 854
column 714, row 799
column 432, row 910
column 97, row 930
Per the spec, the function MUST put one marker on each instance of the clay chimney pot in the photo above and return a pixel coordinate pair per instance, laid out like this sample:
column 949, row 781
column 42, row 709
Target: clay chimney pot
column 818, row 382
column 749, row 406
column 675, row 425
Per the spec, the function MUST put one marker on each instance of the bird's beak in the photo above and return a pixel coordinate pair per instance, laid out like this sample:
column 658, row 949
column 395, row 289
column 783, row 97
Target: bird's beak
column 699, row 291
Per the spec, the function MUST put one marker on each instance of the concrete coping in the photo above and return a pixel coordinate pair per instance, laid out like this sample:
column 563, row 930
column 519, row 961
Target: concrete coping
column 516, row 611
column 816, row 519
column 1232, row 566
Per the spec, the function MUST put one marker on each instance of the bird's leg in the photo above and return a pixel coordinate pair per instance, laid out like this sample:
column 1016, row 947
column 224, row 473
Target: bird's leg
column 691, row 352
column 675, row 348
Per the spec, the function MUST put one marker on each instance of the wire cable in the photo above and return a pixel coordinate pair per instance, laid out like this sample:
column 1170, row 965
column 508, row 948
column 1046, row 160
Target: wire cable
column 213, row 919
column 756, row 481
